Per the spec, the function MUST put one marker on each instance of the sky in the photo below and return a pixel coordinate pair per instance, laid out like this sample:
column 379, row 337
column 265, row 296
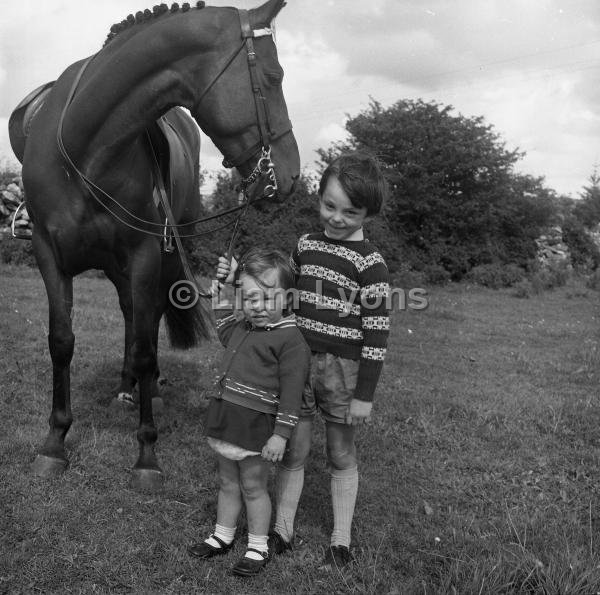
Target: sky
column 530, row 68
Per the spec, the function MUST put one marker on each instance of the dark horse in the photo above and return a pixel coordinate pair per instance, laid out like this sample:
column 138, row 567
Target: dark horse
column 89, row 183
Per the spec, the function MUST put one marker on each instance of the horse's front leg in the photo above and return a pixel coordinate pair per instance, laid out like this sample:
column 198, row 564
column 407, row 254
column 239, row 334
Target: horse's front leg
column 51, row 459
column 125, row 392
column 145, row 274
column 123, row 286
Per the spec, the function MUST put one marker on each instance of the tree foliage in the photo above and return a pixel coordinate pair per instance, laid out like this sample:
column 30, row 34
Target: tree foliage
column 456, row 200
column 585, row 255
column 587, row 210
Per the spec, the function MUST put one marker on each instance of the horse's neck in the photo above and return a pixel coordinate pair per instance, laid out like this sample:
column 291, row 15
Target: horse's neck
column 126, row 88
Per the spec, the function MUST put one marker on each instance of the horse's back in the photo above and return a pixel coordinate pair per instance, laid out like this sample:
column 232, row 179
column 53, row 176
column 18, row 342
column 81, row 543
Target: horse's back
column 41, row 118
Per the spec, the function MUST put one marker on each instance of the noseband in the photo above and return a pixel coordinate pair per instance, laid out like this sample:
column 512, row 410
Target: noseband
column 264, row 166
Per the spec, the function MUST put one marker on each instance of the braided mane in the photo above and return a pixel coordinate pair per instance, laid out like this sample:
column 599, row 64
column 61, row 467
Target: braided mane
column 147, row 15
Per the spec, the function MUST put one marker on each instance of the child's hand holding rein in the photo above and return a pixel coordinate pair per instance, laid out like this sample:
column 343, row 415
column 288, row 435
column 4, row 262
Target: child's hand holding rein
column 226, row 270
column 274, row 448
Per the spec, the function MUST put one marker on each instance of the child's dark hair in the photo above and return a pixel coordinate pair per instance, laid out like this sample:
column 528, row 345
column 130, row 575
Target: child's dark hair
column 360, row 175
column 256, row 261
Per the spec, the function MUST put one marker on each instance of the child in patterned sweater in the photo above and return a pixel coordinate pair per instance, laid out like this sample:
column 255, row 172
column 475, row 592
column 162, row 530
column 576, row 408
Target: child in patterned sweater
column 342, row 311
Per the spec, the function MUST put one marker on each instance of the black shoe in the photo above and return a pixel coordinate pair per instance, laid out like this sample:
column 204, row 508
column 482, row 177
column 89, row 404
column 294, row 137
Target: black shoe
column 250, row 567
column 204, row 550
column 278, row 545
column 337, row 558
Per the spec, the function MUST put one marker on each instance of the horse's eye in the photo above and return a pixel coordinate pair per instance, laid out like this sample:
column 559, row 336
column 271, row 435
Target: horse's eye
column 275, row 78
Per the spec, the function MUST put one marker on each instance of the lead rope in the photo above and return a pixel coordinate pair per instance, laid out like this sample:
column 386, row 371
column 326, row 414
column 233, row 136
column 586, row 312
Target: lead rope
column 236, row 227
column 174, row 231
column 263, row 167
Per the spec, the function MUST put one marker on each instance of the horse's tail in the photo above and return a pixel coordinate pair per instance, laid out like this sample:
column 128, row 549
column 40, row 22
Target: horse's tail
column 186, row 326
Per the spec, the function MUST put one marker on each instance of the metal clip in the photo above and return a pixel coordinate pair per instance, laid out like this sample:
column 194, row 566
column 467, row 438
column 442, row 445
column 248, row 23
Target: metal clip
column 168, row 238
column 264, row 163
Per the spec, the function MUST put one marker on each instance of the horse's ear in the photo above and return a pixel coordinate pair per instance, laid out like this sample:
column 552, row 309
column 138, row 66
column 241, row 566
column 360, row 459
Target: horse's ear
column 264, row 14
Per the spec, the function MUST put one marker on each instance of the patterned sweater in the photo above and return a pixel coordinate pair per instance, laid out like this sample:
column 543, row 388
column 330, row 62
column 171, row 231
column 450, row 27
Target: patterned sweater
column 343, row 308
column 263, row 371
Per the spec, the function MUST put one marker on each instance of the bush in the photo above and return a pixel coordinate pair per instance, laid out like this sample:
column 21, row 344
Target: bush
column 550, row 277
column 9, row 173
column 16, row 252
column 436, row 274
column 542, row 279
column 593, row 280
column 523, row 289
column 407, row 278
column 496, row 275
column 585, row 255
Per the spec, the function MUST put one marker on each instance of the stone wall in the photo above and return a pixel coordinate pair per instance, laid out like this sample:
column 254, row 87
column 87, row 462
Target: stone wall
column 11, row 197
column 551, row 249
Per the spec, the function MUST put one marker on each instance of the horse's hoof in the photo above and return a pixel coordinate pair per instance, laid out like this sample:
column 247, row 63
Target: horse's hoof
column 158, row 405
column 150, row 480
column 45, row 466
column 121, row 403
column 125, row 398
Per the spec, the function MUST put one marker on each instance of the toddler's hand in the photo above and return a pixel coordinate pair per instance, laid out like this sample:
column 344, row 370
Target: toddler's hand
column 358, row 412
column 274, row 448
column 226, row 270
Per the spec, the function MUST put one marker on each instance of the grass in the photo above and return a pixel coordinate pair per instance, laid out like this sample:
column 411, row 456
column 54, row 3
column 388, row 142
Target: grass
column 478, row 471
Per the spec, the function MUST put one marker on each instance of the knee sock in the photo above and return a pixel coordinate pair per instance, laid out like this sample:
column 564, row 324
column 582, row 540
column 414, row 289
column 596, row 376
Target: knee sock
column 289, row 490
column 344, row 488
column 257, row 542
column 225, row 534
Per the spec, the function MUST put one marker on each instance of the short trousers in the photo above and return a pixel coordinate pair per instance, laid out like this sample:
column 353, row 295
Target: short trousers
column 330, row 387
column 230, row 451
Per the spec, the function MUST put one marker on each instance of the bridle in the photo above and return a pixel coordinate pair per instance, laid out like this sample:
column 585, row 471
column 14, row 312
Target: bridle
column 264, row 168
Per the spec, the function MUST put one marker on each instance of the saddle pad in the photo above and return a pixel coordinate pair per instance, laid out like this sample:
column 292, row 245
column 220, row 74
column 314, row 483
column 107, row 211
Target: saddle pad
column 22, row 116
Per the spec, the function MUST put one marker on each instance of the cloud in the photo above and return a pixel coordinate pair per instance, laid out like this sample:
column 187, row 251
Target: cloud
column 542, row 117
column 39, row 40
column 310, row 66
column 441, row 43
column 331, row 133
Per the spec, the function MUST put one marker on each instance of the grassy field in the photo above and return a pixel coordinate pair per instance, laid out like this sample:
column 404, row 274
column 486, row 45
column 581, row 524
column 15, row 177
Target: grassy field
column 479, row 471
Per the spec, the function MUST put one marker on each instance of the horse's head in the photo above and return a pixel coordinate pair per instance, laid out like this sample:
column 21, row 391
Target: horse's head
column 241, row 104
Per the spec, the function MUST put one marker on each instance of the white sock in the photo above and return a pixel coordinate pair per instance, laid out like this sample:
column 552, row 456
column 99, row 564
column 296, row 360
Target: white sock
column 344, row 488
column 257, row 542
column 225, row 534
column 289, row 489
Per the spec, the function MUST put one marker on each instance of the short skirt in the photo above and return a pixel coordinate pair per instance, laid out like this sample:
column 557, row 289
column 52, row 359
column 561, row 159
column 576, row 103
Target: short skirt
column 239, row 426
